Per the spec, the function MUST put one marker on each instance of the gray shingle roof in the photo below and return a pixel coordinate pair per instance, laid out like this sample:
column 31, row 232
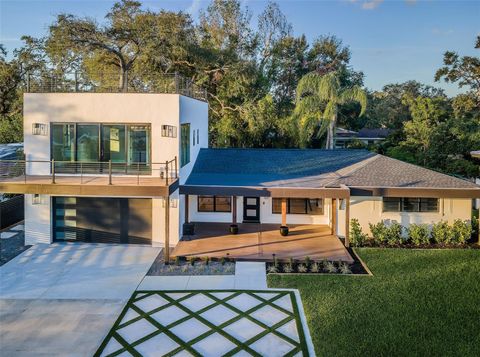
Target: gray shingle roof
column 312, row 168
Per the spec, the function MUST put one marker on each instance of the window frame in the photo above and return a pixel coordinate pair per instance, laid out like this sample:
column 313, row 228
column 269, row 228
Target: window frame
column 421, row 202
column 306, row 203
column 215, row 210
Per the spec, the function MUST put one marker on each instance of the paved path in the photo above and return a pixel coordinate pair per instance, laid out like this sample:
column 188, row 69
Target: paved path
column 62, row 299
column 248, row 275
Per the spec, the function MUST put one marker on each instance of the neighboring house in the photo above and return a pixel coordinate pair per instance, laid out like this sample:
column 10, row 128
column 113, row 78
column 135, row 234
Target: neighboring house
column 366, row 136
column 134, row 167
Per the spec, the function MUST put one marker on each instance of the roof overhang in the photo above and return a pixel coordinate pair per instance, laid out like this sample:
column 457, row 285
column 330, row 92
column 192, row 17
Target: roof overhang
column 255, row 191
column 416, row 192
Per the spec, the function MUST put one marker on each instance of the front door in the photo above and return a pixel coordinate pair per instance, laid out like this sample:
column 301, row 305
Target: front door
column 251, row 209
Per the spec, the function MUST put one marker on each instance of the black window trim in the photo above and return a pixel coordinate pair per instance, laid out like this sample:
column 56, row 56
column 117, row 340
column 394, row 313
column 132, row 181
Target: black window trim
column 402, row 205
column 306, row 204
column 214, row 204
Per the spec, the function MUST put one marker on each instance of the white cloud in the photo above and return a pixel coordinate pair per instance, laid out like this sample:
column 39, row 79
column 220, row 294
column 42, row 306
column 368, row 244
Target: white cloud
column 194, row 7
column 371, row 4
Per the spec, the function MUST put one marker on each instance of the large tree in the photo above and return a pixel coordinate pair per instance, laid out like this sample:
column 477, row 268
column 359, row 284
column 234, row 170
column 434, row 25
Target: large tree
column 319, row 97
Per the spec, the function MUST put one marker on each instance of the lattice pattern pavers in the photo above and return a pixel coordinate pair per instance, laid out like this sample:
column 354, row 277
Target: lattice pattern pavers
column 208, row 323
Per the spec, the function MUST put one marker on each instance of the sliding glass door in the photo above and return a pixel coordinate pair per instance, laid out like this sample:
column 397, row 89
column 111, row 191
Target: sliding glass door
column 88, row 143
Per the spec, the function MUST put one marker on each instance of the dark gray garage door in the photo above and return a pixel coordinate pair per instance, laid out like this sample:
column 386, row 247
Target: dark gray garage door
column 102, row 220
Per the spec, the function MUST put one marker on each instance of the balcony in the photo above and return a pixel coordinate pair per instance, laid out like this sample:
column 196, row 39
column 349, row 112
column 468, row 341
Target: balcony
column 89, row 178
column 76, row 82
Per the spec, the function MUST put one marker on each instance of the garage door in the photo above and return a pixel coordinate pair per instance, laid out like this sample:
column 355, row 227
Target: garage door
column 102, row 220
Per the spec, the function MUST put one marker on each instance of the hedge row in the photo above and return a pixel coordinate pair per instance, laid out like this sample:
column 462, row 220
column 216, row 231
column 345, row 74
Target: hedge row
column 417, row 234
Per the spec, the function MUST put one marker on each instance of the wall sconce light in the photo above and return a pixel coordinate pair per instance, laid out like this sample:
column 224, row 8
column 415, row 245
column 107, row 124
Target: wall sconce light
column 36, row 199
column 39, row 129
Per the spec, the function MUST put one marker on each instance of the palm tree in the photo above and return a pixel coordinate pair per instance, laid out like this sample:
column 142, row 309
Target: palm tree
column 318, row 99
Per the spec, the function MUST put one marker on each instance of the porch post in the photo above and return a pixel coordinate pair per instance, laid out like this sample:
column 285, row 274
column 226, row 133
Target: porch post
column 234, row 210
column 334, row 216
column 347, row 222
column 186, row 208
column 284, row 211
column 166, row 250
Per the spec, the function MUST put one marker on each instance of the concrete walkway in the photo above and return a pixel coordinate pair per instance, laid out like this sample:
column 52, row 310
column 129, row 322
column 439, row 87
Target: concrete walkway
column 248, row 275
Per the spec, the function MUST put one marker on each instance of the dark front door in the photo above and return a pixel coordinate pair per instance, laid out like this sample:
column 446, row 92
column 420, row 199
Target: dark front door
column 251, row 209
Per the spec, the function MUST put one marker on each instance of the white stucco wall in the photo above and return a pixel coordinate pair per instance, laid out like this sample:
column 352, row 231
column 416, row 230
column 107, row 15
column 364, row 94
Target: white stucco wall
column 38, row 222
column 370, row 210
column 122, row 108
column 266, row 215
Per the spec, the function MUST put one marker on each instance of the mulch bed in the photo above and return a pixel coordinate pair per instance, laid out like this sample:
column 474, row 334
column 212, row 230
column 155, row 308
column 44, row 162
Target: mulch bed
column 11, row 247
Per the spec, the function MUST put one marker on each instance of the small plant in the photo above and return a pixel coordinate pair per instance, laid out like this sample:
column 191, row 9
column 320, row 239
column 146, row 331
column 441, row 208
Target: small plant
column 379, row 232
column 302, row 268
column 222, row 260
column 184, row 268
column 308, row 261
column 418, row 234
column 291, row 261
column 207, row 260
column 230, row 268
column 315, row 268
column 344, row 268
column 288, row 268
column 394, row 234
column 461, row 231
column 358, row 238
column 170, row 268
column 275, row 261
column 177, row 260
column 441, row 233
column 272, row 269
column 330, row 267
column 192, row 261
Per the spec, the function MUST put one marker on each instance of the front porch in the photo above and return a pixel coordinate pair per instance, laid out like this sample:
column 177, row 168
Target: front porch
column 259, row 241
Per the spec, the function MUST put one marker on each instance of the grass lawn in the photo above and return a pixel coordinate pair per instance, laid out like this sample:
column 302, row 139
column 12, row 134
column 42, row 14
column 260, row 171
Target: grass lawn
column 419, row 302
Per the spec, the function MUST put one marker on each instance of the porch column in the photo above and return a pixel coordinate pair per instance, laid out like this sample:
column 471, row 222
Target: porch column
column 347, row 222
column 334, row 216
column 166, row 250
column 186, row 209
column 284, row 211
column 234, row 210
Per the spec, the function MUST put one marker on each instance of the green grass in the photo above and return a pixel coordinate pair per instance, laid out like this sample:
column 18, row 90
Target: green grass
column 419, row 302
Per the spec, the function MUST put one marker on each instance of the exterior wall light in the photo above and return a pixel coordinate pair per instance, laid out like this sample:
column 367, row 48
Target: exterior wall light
column 36, row 199
column 39, row 129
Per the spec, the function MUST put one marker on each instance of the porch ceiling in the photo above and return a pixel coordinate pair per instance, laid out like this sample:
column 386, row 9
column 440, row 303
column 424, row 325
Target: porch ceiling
column 261, row 241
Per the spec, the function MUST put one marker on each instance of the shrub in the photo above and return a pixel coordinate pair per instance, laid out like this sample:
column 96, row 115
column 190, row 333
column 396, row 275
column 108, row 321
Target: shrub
column 330, row 267
column 419, row 234
column 222, row 260
column 358, row 238
column 288, row 268
column 308, row 261
column 315, row 268
column 344, row 268
column 177, row 260
column 273, row 269
column 379, row 232
column 394, row 234
column 192, row 260
column 441, row 232
column 461, row 231
column 302, row 268
column 207, row 260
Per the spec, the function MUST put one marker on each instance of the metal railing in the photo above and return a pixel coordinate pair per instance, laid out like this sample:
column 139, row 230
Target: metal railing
column 31, row 170
column 109, row 82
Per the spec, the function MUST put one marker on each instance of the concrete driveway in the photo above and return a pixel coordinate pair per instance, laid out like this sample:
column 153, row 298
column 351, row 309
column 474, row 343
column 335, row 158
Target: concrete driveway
column 62, row 299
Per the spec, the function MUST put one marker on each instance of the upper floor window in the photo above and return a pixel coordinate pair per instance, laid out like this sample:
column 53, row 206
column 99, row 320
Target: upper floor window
column 312, row 206
column 169, row 131
column 214, row 204
column 127, row 144
column 410, row 204
column 184, row 144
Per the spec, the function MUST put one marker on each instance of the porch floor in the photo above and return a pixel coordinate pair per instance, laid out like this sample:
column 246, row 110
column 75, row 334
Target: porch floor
column 256, row 241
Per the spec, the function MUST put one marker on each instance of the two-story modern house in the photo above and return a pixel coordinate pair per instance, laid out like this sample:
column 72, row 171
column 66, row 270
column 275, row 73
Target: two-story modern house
column 133, row 168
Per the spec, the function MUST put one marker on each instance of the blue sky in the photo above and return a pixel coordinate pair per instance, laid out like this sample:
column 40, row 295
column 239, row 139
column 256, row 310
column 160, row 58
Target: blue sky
column 391, row 41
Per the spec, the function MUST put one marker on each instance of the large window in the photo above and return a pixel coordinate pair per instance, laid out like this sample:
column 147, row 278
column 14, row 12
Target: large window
column 313, row 206
column 120, row 143
column 214, row 204
column 410, row 204
column 184, row 144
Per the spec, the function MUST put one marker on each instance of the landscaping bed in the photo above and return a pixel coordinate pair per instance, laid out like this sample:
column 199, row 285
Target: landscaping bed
column 419, row 303
column 308, row 266
column 11, row 247
column 191, row 266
